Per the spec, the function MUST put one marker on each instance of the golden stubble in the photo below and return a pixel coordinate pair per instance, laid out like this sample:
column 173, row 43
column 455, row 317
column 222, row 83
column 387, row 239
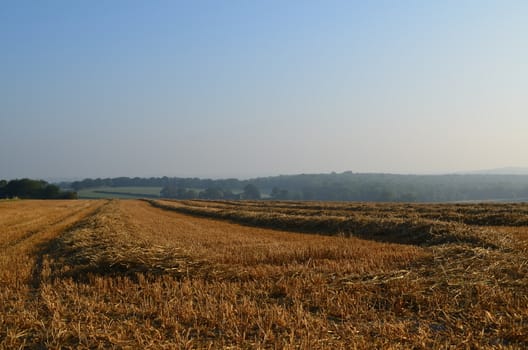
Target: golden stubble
column 126, row 274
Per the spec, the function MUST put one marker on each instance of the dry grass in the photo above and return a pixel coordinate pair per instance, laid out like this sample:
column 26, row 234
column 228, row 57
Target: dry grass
column 133, row 276
column 26, row 226
column 374, row 222
column 484, row 214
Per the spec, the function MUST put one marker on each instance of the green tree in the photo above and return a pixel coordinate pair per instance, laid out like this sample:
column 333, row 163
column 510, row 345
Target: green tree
column 3, row 193
column 50, row 191
column 38, row 189
column 277, row 193
column 251, row 192
column 212, row 193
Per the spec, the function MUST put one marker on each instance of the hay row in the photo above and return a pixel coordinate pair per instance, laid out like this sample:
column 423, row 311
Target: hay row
column 395, row 230
column 481, row 214
column 104, row 244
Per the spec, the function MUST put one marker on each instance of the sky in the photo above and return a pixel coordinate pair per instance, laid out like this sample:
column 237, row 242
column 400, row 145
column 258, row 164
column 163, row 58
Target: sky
column 258, row 88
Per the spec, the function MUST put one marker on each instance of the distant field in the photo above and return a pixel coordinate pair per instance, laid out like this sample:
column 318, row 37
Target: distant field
column 296, row 275
column 119, row 192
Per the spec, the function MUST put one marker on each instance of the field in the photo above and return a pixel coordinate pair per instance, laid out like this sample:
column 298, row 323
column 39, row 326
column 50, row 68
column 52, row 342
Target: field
column 219, row 274
column 119, row 192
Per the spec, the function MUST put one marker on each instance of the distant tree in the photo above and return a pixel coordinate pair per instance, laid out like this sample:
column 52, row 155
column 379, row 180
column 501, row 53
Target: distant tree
column 251, row 192
column 191, row 194
column 173, row 191
column 228, row 194
column 169, row 191
column 277, row 193
column 347, row 186
column 212, row 193
column 25, row 188
column 37, row 189
column 308, row 193
column 181, row 193
column 68, row 195
column 386, row 195
column 50, row 191
column 3, row 184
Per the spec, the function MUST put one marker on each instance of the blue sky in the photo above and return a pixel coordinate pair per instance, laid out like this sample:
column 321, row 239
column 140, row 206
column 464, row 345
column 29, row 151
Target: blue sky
column 249, row 88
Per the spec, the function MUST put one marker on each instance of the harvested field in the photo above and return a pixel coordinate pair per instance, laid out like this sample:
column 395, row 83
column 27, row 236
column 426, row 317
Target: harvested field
column 138, row 274
column 393, row 223
column 483, row 214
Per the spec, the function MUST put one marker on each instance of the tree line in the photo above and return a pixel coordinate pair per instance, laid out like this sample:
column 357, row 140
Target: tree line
column 175, row 182
column 33, row 189
column 347, row 186
column 250, row 191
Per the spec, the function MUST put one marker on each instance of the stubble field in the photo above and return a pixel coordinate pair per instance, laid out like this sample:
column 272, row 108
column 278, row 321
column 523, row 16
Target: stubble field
column 205, row 274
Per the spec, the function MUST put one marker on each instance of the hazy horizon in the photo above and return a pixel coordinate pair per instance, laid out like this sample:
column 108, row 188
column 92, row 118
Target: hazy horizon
column 508, row 171
column 245, row 89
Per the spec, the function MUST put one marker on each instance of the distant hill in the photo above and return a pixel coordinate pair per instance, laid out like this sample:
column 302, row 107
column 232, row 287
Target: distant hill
column 498, row 171
column 347, row 186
